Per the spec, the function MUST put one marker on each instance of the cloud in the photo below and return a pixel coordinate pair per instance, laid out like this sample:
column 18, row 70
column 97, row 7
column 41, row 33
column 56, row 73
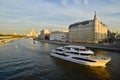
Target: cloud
column 77, row 2
column 86, row 2
column 64, row 2
column 56, row 13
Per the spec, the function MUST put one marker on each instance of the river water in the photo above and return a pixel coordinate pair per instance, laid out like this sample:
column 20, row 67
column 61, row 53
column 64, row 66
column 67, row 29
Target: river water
column 24, row 60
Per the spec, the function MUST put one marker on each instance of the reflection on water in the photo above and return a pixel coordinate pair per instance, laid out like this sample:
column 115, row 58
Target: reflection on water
column 83, row 71
column 100, row 52
column 25, row 60
column 46, row 45
column 101, row 73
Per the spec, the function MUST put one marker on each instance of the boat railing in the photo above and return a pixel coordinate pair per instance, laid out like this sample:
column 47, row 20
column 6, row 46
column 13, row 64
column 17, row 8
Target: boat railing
column 100, row 57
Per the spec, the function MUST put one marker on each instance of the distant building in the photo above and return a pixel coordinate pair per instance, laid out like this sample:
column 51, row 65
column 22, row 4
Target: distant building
column 118, row 35
column 64, row 30
column 45, row 33
column 32, row 33
column 59, row 36
column 91, row 31
column 111, row 37
column 111, row 34
column 14, row 33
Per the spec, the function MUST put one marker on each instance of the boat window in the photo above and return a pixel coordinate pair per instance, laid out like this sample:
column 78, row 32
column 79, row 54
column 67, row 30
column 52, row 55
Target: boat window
column 73, row 53
column 67, row 48
column 84, row 54
column 68, row 52
column 61, row 54
column 83, row 59
column 77, row 49
column 83, row 49
column 59, row 50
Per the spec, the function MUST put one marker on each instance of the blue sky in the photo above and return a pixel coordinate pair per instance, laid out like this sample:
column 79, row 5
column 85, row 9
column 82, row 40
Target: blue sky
column 22, row 15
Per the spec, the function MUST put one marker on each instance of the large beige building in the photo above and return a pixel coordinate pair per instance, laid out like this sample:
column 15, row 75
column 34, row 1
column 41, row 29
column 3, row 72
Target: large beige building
column 91, row 31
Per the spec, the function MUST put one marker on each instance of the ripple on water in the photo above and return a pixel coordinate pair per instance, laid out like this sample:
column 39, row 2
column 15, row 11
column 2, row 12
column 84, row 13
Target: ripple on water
column 14, row 67
column 29, row 61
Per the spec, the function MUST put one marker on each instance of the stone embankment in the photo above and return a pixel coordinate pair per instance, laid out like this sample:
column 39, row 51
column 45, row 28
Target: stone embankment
column 105, row 46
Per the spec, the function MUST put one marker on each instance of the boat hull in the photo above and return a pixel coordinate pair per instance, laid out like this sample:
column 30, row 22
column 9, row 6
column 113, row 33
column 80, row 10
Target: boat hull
column 68, row 58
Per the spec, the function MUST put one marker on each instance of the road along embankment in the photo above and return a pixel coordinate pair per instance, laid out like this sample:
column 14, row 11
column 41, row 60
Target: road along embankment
column 113, row 47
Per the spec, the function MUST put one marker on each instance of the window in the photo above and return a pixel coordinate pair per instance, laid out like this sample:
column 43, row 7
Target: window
column 61, row 54
column 83, row 49
column 67, row 48
column 72, row 53
column 77, row 49
column 83, row 59
column 84, row 54
column 59, row 50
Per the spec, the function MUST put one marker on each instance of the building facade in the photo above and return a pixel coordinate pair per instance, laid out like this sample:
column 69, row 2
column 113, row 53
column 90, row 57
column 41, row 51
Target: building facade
column 45, row 34
column 59, row 36
column 91, row 31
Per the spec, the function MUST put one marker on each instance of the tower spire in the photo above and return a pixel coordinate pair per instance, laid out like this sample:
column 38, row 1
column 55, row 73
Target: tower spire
column 95, row 15
column 95, row 12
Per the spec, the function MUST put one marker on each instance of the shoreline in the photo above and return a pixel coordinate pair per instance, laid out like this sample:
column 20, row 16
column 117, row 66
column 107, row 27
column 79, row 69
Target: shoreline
column 111, row 47
column 2, row 41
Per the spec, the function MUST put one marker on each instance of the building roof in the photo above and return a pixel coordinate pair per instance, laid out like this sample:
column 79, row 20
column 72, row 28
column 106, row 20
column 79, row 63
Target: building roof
column 80, row 23
column 86, row 22
column 102, row 23
column 58, row 32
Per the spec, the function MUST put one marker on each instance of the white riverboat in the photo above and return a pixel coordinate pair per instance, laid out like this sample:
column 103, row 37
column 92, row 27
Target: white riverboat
column 81, row 55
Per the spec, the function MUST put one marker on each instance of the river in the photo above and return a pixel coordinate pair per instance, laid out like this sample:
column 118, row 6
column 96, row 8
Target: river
column 22, row 59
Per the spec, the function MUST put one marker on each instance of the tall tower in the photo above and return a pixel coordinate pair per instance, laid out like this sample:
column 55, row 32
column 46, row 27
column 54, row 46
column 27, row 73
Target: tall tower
column 32, row 32
column 96, row 20
column 95, row 17
column 95, row 27
column 95, row 14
